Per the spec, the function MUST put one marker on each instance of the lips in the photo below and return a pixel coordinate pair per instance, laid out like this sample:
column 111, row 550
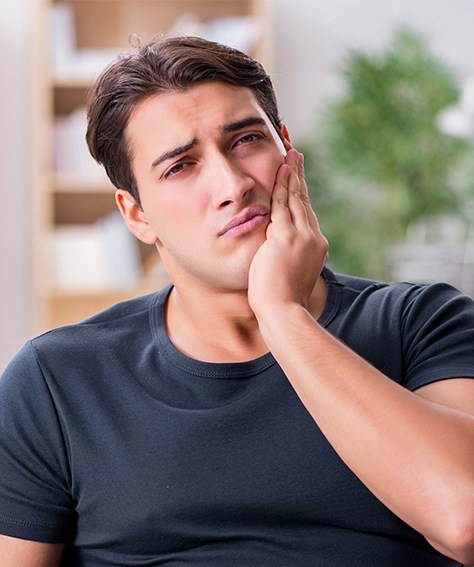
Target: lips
column 252, row 218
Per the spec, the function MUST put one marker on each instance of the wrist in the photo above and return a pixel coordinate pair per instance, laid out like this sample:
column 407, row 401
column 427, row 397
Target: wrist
column 277, row 320
column 278, row 309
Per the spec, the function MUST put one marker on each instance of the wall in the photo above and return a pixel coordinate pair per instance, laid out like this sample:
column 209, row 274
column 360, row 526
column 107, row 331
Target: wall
column 15, row 204
column 313, row 36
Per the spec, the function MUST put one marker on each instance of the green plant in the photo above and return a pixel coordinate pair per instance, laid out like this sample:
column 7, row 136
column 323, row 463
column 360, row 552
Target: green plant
column 381, row 161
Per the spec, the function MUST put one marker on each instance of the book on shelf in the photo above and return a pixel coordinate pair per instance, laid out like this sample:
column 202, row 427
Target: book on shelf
column 70, row 63
column 95, row 257
column 70, row 151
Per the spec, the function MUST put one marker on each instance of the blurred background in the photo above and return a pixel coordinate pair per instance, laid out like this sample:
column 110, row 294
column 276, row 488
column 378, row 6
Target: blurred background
column 379, row 94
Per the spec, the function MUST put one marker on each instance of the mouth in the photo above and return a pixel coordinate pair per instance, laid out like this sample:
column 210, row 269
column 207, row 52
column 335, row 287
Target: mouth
column 251, row 219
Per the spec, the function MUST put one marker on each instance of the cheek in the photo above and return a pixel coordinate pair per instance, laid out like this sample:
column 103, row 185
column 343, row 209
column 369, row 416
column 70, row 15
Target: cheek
column 266, row 169
column 168, row 216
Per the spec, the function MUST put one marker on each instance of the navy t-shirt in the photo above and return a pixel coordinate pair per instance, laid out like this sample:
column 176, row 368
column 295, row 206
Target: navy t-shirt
column 113, row 441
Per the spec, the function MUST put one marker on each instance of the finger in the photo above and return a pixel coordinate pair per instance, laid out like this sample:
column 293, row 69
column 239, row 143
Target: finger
column 297, row 208
column 312, row 218
column 280, row 212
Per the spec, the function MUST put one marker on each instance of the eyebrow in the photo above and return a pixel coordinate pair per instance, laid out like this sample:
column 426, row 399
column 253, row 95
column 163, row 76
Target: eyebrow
column 244, row 123
column 175, row 152
column 227, row 128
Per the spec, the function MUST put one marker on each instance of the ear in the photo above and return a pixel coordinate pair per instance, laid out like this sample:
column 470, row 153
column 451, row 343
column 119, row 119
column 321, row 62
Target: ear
column 134, row 217
column 286, row 137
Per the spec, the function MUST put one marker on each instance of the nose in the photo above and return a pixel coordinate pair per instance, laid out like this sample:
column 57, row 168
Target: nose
column 232, row 184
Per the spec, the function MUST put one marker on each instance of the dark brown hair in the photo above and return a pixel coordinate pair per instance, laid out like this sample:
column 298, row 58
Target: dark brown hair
column 163, row 65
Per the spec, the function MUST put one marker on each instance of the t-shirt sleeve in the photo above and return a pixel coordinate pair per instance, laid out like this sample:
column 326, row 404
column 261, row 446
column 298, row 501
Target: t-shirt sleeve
column 35, row 496
column 438, row 335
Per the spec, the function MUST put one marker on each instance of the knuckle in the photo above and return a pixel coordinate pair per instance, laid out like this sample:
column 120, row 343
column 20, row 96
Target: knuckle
column 282, row 202
column 325, row 245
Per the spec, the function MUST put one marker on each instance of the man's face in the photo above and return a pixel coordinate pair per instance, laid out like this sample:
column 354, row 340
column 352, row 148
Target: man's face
column 205, row 162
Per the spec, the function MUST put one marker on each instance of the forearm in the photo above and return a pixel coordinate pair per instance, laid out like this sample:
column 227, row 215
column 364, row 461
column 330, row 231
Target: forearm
column 414, row 455
column 16, row 552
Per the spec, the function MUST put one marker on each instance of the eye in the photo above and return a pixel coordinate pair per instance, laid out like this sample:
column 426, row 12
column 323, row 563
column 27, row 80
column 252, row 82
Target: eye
column 176, row 169
column 248, row 138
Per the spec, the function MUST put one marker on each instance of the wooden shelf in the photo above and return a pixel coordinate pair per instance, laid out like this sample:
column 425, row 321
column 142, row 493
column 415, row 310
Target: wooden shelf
column 74, row 182
column 69, row 307
column 69, row 199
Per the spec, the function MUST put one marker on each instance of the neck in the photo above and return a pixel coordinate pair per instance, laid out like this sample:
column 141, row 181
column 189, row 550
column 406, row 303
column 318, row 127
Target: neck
column 213, row 327
column 216, row 326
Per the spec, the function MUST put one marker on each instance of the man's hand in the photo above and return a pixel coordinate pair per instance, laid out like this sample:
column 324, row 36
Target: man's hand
column 287, row 265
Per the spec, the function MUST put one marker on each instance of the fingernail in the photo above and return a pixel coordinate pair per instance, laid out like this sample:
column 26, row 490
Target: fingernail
column 300, row 158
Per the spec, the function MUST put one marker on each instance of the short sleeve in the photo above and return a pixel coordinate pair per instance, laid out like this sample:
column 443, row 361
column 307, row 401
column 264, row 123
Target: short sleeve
column 35, row 501
column 438, row 335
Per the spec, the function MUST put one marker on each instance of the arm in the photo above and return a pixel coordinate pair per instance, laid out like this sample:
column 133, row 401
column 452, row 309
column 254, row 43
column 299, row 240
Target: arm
column 434, row 489
column 23, row 553
column 35, row 501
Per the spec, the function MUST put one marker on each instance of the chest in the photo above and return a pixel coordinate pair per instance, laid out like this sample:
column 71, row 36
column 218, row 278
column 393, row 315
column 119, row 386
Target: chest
column 162, row 477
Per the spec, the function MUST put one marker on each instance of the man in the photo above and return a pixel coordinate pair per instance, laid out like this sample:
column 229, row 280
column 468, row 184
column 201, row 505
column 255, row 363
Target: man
column 259, row 411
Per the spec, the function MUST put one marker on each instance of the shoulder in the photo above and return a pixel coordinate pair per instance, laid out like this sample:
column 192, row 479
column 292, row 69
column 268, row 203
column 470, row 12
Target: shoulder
column 114, row 324
column 74, row 350
column 413, row 333
column 400, row 298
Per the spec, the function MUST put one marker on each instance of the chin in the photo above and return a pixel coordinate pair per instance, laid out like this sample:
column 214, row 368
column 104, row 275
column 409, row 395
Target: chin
column 237, row 282
column 233, row 278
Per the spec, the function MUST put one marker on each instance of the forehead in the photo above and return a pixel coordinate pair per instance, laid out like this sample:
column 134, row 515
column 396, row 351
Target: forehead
column 206, row 105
